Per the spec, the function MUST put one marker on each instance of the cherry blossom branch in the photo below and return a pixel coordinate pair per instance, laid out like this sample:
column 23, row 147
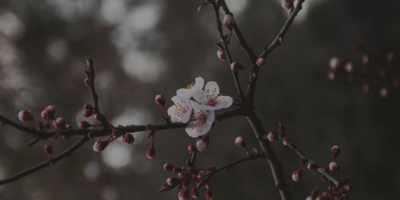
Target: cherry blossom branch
column 239, row 36
column 6, row 121
column 278, row 41
column 66, row 153
column 89, row 70
column 300, row 153
column 275, row 164
column 228, row 166
column 226, row 50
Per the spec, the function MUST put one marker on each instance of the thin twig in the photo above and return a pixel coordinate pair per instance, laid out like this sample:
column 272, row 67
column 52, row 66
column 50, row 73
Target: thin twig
column 66, row 153
column 230, row 165
column 253, row 79
column 228, row 55
column 6, row 121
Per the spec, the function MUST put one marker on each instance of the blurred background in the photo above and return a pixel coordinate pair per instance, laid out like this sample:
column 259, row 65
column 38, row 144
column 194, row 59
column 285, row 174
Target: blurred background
column 142, row 48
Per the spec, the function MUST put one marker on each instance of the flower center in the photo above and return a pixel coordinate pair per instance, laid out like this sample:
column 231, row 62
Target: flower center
column 190, row 86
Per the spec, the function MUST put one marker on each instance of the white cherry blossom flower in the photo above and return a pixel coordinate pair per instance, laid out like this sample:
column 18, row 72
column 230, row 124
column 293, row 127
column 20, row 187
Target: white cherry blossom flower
column 203, row 122
column 188, row 91
column 211, row 99
column 181, row 111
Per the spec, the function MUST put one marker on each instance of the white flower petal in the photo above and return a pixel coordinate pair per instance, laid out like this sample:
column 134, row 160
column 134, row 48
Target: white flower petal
column 203, row 129
column 185, row 93
column 220, row 105
column 207, row 107
column 210, row 117
column 199, row 96
column 191, row 129
column 180, row 111
column 212, row 89
column 228, row 100
column 186, row 118
column 199, row 83
column 172, row 112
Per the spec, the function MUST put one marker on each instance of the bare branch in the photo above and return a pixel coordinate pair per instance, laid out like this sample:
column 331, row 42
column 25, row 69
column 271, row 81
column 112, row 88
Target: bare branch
column 66, row 153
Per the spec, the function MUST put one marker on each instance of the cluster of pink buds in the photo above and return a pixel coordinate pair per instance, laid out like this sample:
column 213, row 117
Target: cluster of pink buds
column 188, row 175
column 335, row 191
column 88, row 110
column 379, row 75
column 275, row 135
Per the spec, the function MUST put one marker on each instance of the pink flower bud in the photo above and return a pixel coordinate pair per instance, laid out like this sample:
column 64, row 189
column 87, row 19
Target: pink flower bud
column 228, row 22
column 87, row 113
column 334, row 167
column 315, row 193
column 148, row 127
column 221, row 55
column 288, row 4
column 189, row 163
column 128, row 139
column 168, row 167
column 209, row 194
column 336, row 63
column 347, row 188
column 235, row 66
column 203, row 144
column 211, row 169
column 151, row 153
column 272, row 136
column 326, row 194
column 312, row 166
column 366, row 59
column 349, row 67
column 84, row 125
column 286, row 141
column 59, row 123
column 260, row 62
column 335, row 152
column 296, row 176
column 192, row 148
column 185, row 183
column 100, row 146
column 177, row 170
column 67, row 126
column 87, row 82
column 44, row 115
column 88, row 107
column 25, row 116
column 195, row 193
column 97, row 118
column 240, row 142
column 184, row 194
column 332, row 75
column 115, row 133
column 171, row 181
column 160, row 100
column 48, row 149
column 324, row 178
column 50, row 111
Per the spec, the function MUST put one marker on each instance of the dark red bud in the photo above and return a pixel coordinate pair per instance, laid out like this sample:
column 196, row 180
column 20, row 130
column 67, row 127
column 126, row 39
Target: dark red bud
column 315, row 193
column 128, row 139
column 324, row 178
column 160, row 100
column 312, row 166
column 235, row 66
column 192, row 148
column 347, row 188
column 87, row 113
column 189, row 163
column 260, row 62
column 48, row 149
column 272, row 136
column 168, row 167
column 195, row 193
column 50, row 111
column 84, row 125
column 286, row 141
column 209, row 194
column 296, row 176
column 288, row 4
column 240, row 142
column 335, row 152
column 184, row 194
column 228, row 22
column 88, row 107
column 148, row 127
column 366, row 59
column 25, row 116
column 185, row 183
column 334, row 167
column 221, row 55
column 44, row 115
column 151, row 153
column 171, row 181
column 115, row 133
column 59, row 123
